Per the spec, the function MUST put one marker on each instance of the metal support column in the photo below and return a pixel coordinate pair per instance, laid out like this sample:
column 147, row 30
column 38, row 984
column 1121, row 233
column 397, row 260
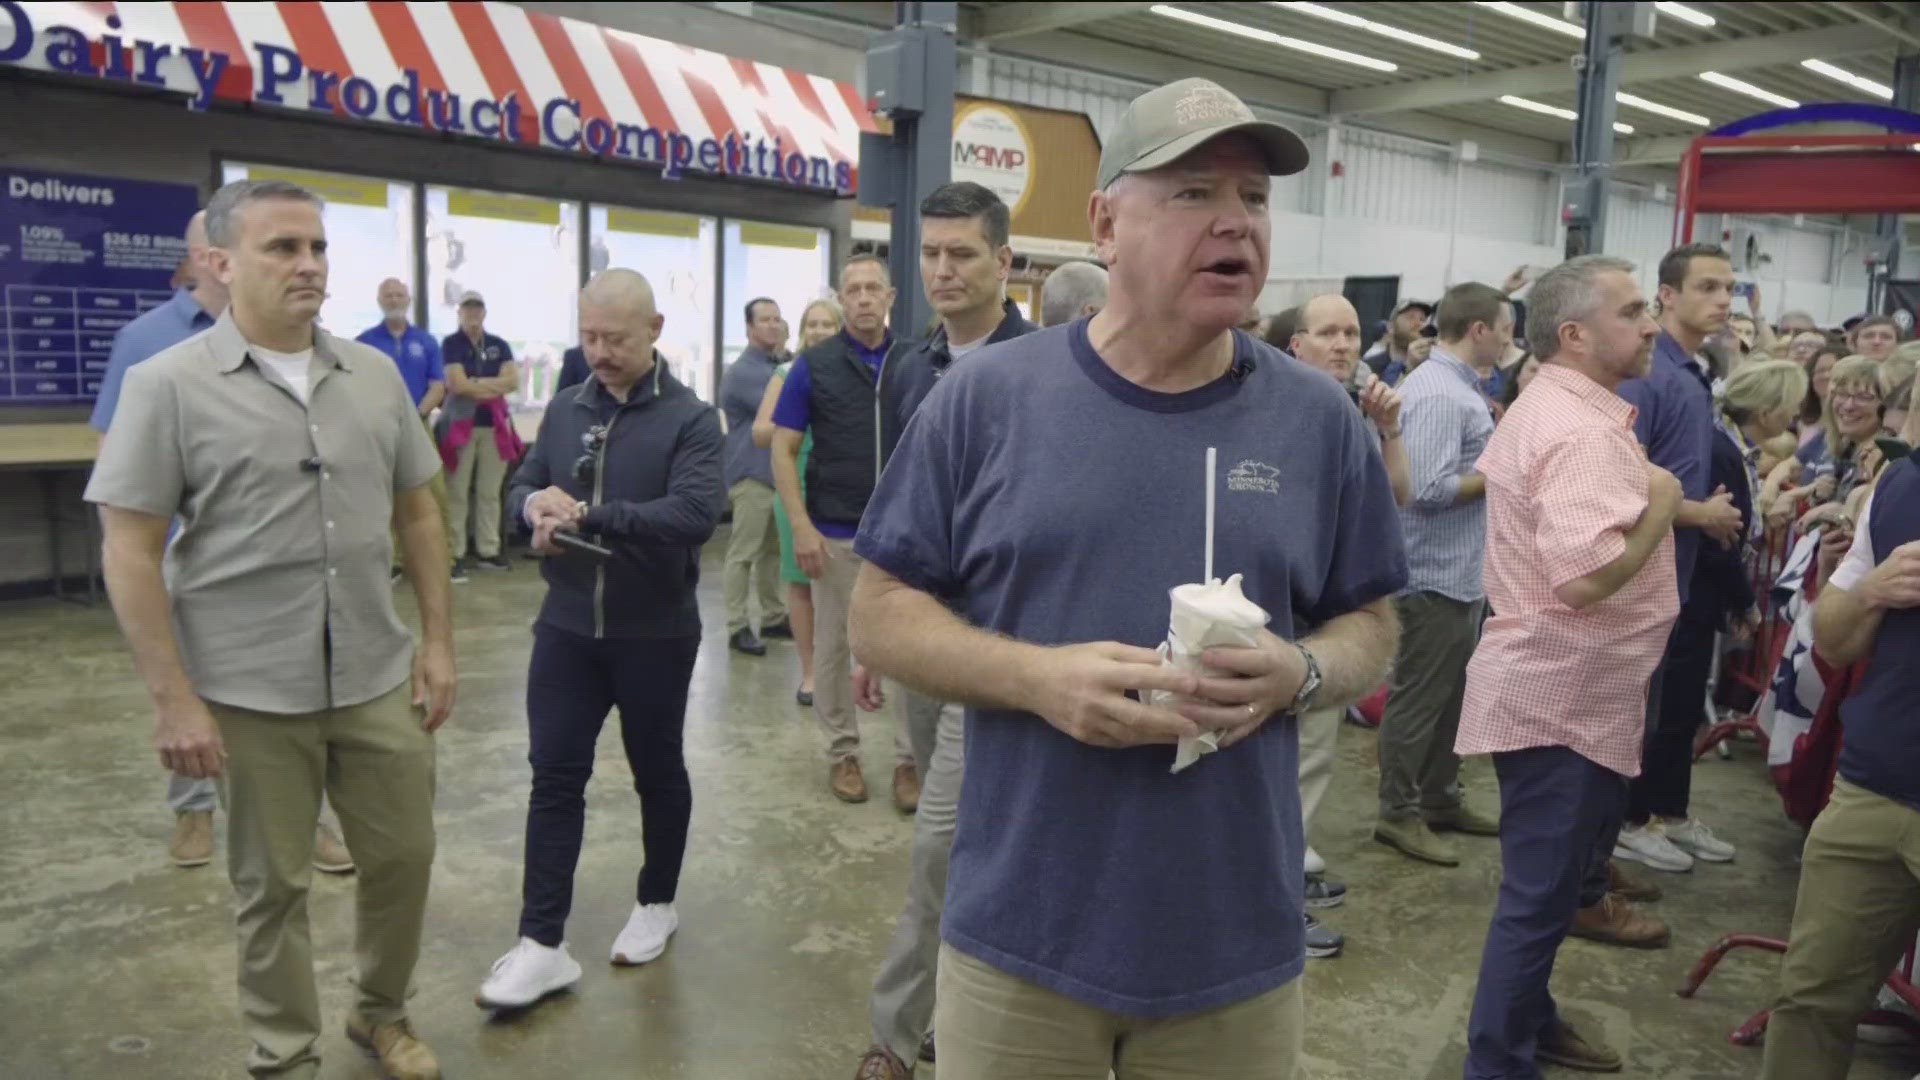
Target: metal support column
column 910, row 81
column 1886, row 230
column 1608, row 27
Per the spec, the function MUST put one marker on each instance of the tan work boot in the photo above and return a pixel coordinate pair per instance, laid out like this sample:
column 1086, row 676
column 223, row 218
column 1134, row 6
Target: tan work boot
column 192, row 843
column 1614, row 921
column 846, row 782
column 1412, row 836
column 906, row 788
column 1565, row 1047
column 330, row 856
column 1621, row 882
column 402, row 1056
column 1463, row 819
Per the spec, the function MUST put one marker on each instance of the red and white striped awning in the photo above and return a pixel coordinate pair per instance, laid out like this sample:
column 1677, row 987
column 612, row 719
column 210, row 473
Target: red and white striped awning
column 476, row 51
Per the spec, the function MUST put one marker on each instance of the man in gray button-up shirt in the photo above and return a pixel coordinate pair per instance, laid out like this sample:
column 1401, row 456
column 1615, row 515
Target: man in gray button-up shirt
column 1447, row 421
column 266, row 632
column 753, row 547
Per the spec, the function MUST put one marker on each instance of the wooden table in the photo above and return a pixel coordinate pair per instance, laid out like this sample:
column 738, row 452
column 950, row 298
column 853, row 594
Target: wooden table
column 48, row 451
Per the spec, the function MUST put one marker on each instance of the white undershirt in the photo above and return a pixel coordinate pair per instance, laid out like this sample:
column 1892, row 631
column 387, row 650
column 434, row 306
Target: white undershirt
column 291, row 366
column 958, row 351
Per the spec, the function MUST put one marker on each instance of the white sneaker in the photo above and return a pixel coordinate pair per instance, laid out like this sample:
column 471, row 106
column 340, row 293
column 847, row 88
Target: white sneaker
column 1889, row 1035
column 1315, row 864
column 1648, row 844
column 529, row 972
column 646, row 933
column 1693, row 837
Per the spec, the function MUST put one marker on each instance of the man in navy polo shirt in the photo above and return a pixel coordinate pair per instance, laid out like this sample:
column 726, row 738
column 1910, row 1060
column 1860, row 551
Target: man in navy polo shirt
column 481, row 373
column 1102, row 911
column 1859, row 901
column 417, row 355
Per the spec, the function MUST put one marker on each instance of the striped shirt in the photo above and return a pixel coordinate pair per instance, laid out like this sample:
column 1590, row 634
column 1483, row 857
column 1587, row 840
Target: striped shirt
column 1566, row 482
column 1446, row 423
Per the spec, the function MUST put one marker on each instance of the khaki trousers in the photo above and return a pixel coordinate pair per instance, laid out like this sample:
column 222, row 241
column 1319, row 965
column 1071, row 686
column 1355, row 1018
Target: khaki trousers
column 438, row 486
column 1858, row 908
column 375, row 763
column 833, row 660
column 1319, row 744
column 477, row 476
column 753, row 552
column 993, row 1026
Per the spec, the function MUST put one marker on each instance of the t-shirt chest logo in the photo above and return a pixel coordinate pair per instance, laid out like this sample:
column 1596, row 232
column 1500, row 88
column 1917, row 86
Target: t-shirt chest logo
column 1251, row 475
column 413, row 348
column 493, row 353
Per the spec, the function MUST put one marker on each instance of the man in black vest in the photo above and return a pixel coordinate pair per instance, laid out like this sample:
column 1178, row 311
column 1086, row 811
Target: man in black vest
column 833, row 388
column 1859, row 902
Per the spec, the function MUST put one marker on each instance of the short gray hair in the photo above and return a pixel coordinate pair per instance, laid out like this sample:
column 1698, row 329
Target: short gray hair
column 1069, row 289
column 1566, row 293
column 228, row 201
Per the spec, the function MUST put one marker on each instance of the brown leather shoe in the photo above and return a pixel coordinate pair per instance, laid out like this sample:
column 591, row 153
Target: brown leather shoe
column 192, row 843
column 1614, row 921
column 879, row 1064
column 1564, row 1046
column 402, row 1056
column 1623, row 883
column 906, row 788
column 846, row 782
column 330, row 856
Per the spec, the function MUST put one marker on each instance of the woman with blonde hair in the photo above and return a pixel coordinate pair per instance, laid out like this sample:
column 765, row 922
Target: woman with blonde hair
column 1851, row 420
column 820, row 321
column 1759, row 403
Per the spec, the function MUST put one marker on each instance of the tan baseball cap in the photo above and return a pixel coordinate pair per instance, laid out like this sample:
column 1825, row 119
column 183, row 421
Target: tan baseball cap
column 1162, row 125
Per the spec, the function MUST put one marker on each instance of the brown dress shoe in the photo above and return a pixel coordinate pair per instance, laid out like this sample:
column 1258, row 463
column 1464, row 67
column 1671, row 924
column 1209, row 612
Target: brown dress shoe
column 330, row 856
column 401, row 1055
column 906, row 788
column 1614, row 921
column 845, row 781
column 879, row 1063
column 1622, row 883
column 1563, row 1046
column 192, row 843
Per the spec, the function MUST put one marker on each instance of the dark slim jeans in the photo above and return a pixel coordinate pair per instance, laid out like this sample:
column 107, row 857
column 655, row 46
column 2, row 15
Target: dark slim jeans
column 1665, row 783
column 572, row 683
column 1554, row 807
column 1594, row 888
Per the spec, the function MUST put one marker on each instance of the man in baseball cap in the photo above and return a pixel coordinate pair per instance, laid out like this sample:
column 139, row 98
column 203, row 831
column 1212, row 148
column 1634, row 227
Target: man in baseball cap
column 1399, row 350
column 1102, row 912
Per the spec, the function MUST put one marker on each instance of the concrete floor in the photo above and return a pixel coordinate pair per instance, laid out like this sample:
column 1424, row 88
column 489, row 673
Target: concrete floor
column 118, row 966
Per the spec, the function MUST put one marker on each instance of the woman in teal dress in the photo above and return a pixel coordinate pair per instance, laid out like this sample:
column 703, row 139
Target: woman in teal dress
column 820, row 321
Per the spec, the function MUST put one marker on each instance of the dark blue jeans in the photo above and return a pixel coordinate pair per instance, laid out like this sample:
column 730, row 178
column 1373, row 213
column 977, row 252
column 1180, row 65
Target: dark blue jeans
column 1555, row 806
column 572, row 683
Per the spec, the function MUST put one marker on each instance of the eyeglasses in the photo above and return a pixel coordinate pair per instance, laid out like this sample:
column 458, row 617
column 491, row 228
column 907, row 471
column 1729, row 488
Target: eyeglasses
column 1863, row 397
column 591, row 440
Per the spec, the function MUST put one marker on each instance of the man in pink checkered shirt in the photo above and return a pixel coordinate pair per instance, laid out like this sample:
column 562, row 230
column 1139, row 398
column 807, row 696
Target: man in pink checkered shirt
column 1580, row 574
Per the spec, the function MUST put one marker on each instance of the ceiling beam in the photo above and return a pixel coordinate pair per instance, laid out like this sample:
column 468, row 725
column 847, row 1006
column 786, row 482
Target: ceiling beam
column 1636, row 67
column 1651, row 150
column 1002, row 21
column 1145, row 69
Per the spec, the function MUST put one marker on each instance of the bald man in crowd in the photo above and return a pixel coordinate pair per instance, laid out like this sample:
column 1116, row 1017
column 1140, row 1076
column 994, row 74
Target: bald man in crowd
column 417, row 355
column 1074, row 290
column 629, row 462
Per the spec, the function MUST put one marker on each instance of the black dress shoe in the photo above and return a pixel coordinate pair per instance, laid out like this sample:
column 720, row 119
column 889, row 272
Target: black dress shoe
column 781, row 629
column 743, row 641
column 926, row 1048
column 804, row 697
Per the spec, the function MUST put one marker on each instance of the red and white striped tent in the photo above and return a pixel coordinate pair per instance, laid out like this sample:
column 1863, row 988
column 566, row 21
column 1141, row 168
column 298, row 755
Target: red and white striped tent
column 561, row 74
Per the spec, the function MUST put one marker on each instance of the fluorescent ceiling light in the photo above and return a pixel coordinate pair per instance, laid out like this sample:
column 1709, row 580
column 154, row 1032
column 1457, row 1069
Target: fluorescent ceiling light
column 1740, row 86
column 1685, row 13
column 1536, row 18
column 1864, row 85
column 1256, row 34
column 1639, row 102
column 1348, row 19
column 1555, row 110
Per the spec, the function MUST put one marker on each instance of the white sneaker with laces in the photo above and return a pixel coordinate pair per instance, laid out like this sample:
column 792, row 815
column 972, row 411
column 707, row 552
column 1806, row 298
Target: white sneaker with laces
column 529, row 972
column 646, row 933
column 1315, row 864
column 1648, row 844
column 1693, row 837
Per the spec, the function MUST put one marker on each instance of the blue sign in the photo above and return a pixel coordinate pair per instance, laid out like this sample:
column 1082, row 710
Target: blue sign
column 80, row 257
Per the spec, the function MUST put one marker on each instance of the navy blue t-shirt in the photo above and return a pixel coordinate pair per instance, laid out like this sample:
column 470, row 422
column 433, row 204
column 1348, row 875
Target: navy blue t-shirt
column 1047, row 498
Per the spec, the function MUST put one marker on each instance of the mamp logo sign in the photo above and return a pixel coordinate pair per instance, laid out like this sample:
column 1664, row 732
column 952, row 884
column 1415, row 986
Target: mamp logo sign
column 991, row 148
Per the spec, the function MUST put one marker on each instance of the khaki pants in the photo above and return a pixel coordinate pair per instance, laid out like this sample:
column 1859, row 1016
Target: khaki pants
column 833, row 660
column 753, row 552
column 1319, row 741
column 375, row 763
column 1857, row 911
column 438, row 486
column 993, row 1026
column 477, row 475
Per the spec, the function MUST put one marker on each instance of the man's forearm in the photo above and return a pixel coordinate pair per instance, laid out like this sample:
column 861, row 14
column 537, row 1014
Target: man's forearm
column 1393, row 453
column 905, row 634
column 1691, row 515
column 1844, row 625
column 786, row 476
column 1642, row 540
column 138, row 592
column 1354, row 651
column 436, row 393
column 423, row 538
column 1473, row 487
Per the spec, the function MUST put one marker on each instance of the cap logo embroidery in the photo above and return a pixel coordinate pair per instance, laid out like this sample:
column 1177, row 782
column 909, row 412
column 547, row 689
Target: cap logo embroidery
column 1209, row 105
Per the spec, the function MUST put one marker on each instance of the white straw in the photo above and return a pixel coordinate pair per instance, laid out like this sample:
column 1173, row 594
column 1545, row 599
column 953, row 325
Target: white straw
column 1213, row 455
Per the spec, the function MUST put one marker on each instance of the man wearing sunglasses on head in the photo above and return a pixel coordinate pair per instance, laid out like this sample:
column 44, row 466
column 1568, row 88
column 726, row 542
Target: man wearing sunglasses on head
column 621, row 488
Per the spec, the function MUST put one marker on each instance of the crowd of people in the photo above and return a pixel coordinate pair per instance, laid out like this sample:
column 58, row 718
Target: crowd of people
column 1531, row 525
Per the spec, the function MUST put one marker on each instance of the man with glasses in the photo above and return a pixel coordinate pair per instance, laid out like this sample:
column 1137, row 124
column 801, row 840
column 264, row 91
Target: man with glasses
column 628, row 464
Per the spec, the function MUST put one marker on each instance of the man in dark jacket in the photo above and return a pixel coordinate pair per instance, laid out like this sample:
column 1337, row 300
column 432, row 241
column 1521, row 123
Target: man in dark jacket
column 630, row 461
column 964, row 262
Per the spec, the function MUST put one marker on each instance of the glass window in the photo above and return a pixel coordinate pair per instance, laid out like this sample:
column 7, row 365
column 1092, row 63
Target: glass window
column 675, row 252
column 369, row 238
column 522, row 255
column 786, row 263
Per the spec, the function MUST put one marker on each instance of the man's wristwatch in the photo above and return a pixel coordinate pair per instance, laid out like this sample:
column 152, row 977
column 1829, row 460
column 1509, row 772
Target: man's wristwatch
column 1309, row 686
